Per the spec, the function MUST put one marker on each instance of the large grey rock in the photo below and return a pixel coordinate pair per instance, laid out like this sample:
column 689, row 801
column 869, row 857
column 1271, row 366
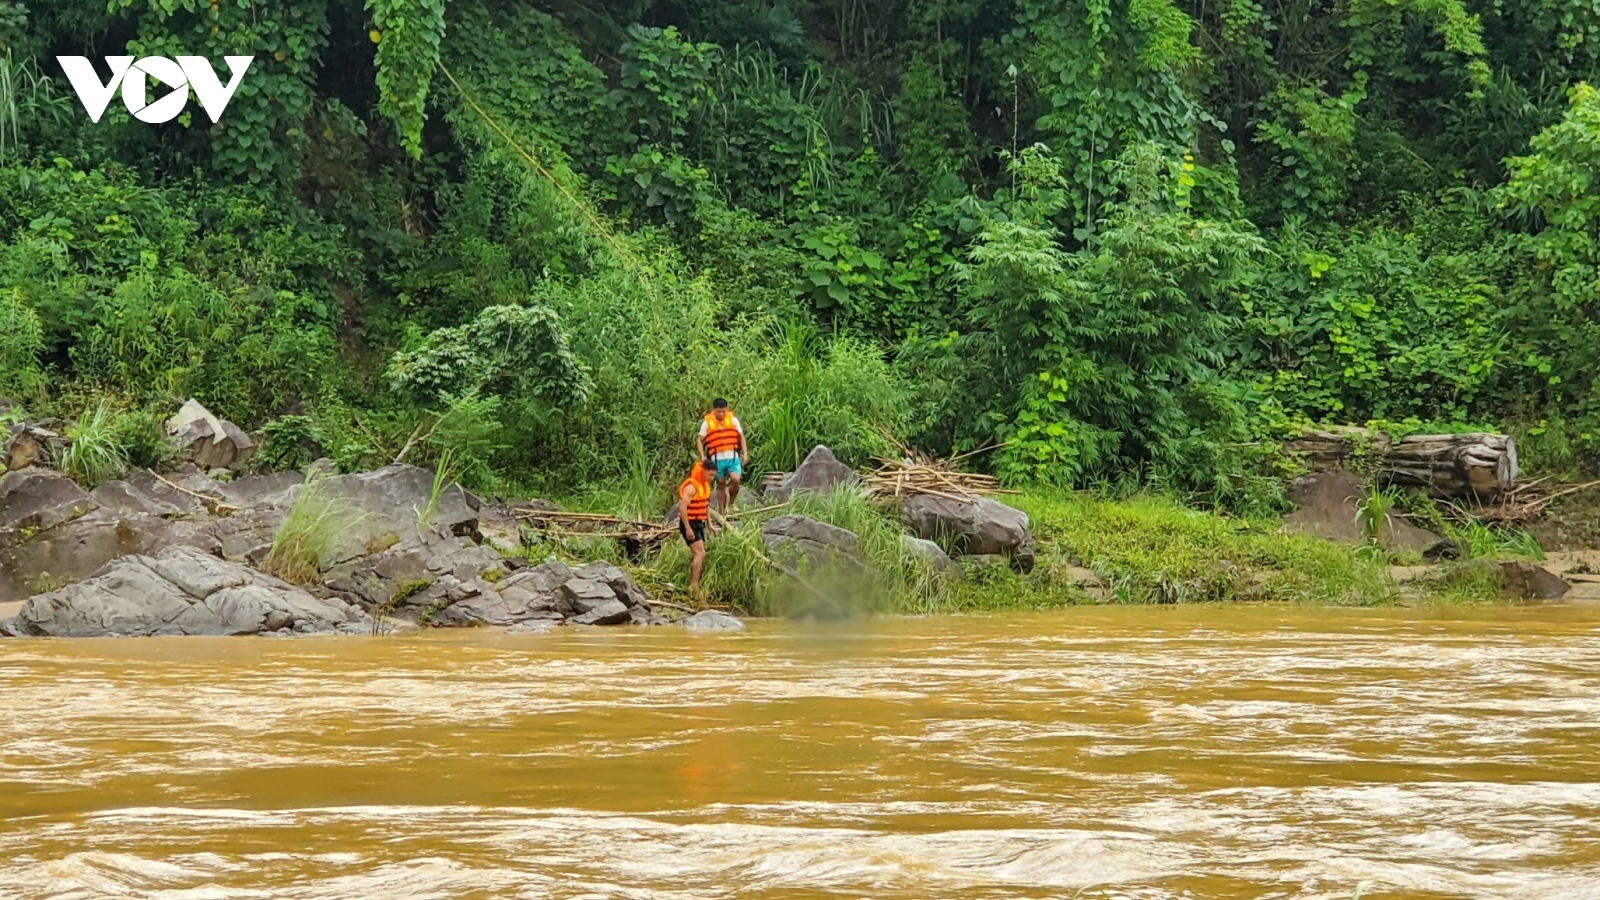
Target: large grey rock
column 391, row 502
column 798, row 539
column 179, row 591
column 1325, row 505
column 972, row 527
column 275, row 490
column 246, row 536
column 821, row 472
column 914, row 547
column 609, row 612
column 1526, row 581
column 620, row 582
column 77, row 549
column 128, row 497
column 582, row 595
column 711, row 620
column 424, row 558
column 538, row 584
column 33, row 500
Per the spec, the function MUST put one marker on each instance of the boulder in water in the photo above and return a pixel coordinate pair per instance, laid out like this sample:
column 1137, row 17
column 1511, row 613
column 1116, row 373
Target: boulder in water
column 711, row 620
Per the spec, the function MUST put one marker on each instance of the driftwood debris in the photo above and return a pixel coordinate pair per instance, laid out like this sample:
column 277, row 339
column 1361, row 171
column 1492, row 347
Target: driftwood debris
column 1447, row 466
column 558, row 524
column 1525, row 502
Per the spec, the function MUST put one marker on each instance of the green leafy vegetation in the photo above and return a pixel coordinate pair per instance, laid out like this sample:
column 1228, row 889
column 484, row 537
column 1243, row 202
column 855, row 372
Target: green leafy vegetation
column 1128, row 244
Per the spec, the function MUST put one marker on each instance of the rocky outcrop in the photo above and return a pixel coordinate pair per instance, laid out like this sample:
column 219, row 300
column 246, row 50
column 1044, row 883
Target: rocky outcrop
column 972, row 527
column 552, row 593
column 181, row 591
column 34, row 505
column 1325, row 505
column 821, row 472
column 394, row 504
column 416, row 560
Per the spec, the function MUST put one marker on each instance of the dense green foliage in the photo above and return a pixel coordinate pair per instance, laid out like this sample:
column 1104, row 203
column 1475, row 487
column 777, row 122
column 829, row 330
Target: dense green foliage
column 1127, row 240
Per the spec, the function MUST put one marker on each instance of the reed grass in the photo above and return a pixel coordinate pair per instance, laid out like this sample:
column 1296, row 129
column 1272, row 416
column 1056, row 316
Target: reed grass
column 95, row 453
column 312, row 530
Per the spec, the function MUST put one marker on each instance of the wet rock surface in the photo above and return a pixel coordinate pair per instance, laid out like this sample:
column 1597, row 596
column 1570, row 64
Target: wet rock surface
column 181, row 590
column 711, row 620
column 410, row 556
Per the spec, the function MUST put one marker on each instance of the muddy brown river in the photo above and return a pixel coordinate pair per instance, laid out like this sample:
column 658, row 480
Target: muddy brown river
column 1137, row 754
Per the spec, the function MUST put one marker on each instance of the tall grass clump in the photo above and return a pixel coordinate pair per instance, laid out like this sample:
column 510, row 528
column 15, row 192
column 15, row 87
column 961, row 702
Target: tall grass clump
column 95, row 453
column 313, row 529
column 815, row 390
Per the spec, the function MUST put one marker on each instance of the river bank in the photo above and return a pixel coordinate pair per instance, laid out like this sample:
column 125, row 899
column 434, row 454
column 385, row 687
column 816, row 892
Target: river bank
column 400, row 547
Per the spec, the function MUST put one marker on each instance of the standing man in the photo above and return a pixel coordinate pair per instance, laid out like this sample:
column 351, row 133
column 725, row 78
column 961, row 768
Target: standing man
column 694, row 499
column 722, row 443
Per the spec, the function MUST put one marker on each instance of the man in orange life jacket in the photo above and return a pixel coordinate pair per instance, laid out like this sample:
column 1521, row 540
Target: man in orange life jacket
column 694, row 502
column 723, row 446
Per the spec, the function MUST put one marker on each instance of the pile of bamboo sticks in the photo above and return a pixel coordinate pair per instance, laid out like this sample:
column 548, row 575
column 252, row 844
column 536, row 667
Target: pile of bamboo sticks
column 914, row 474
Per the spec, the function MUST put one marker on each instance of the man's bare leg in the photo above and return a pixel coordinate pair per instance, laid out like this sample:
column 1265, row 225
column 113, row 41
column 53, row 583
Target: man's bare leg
column 697, row 564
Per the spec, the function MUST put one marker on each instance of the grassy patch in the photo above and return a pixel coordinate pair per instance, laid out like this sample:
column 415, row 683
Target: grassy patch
column 1150, row 549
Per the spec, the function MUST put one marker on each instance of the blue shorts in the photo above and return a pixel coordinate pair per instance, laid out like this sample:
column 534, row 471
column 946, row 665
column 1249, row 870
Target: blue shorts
column 726, row 467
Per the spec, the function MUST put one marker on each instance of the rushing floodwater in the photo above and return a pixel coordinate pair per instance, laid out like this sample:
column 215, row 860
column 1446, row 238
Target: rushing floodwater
column 1127, row 753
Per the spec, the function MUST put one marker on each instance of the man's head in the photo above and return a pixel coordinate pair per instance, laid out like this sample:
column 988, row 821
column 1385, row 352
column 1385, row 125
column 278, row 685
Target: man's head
column 719, row 408
column 699, row 473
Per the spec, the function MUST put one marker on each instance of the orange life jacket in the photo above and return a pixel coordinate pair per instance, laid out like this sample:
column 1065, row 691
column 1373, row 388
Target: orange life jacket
column 721, row 437
column 702, row 496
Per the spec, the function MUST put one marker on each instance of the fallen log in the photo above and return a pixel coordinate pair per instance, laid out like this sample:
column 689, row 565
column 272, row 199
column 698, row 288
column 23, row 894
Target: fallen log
column 1444, row 465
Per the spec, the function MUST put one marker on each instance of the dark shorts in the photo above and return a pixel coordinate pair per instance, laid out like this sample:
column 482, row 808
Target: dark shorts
column 699, row 529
